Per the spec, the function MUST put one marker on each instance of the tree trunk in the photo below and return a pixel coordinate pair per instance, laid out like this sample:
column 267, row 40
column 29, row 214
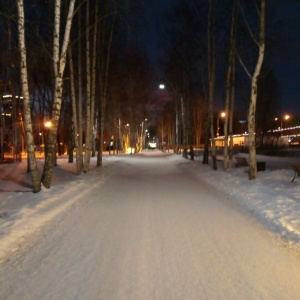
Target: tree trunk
column 232, row 99
column 230, row 71
column 93, row 87
column 211, row 74
column 26, row 102
column 184, row 129
column 252, row 106
column 176, row 128
column 104, row 85
column 74, row 112
column 88, row 93
column 79, row 156
column 59, row 63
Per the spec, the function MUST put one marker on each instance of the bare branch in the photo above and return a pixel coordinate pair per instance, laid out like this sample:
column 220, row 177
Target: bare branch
column 247, row 25
column 242, row 64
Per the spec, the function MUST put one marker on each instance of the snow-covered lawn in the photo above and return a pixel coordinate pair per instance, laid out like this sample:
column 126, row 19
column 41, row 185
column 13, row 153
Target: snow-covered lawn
column 271, row 198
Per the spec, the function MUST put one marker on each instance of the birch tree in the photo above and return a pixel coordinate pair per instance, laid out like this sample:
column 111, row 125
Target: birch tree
column 79, row 103
column 94, row 79
column 26, row 102
column 59, row 63
column 260, row 43
column 91, row 86
column 229, row 94
column 104, row 75
column 88, row 93
column 211, row 74
column 75, row 118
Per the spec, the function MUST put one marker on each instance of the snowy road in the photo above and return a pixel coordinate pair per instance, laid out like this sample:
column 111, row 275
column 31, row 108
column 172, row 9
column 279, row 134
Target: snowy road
column 152, row 231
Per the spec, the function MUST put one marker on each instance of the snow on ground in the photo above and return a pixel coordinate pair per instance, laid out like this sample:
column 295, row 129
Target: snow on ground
column 272, row 198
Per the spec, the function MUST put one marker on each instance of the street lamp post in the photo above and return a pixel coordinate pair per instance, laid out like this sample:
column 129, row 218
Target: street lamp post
column 222, row 115
column 143, row 133
column 176, row 141
column 285, row 117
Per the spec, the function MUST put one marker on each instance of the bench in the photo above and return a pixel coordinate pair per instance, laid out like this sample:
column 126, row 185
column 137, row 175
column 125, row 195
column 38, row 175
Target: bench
column 296, row 169
column 241, row 161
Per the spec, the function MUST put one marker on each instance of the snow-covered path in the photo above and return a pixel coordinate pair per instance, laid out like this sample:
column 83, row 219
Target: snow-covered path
column 152, row 231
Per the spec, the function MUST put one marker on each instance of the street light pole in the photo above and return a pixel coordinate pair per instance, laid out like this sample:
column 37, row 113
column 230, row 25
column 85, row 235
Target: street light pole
column 285, row 117
column 176, row 141
column 222, row 115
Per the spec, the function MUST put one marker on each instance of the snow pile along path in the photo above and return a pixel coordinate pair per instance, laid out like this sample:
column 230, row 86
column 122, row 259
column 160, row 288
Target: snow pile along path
column 271, row 198
column 23, row 213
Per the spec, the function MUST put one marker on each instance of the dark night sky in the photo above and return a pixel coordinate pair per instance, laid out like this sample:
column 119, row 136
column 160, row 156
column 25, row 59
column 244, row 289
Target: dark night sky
column 286, row 64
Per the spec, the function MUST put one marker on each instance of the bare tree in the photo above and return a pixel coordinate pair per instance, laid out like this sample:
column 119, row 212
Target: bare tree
column 104, row 76
column 260, row 43
column 75, row 119
column 79, row 103
column 26, row 102
column 59, row 63
column 211, row 74
column 229, row 94
column 88, row 92
column 94, row 80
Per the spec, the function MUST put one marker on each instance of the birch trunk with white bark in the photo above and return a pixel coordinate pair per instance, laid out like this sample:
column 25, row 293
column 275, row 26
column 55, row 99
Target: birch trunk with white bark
column 26, row 100
column 87, row 154
column 79, row 103
column 93, row 87
column 252, row 106
column 229, row 90
column 59, row 63
column 254, row 78
column 211, row 74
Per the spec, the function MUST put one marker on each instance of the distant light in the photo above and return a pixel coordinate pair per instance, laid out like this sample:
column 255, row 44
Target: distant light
column 48, row 124
column 130, row 150
column 162, row 86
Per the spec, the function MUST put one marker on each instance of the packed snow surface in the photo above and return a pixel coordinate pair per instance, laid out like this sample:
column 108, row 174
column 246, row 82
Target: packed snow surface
column 151, row 226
